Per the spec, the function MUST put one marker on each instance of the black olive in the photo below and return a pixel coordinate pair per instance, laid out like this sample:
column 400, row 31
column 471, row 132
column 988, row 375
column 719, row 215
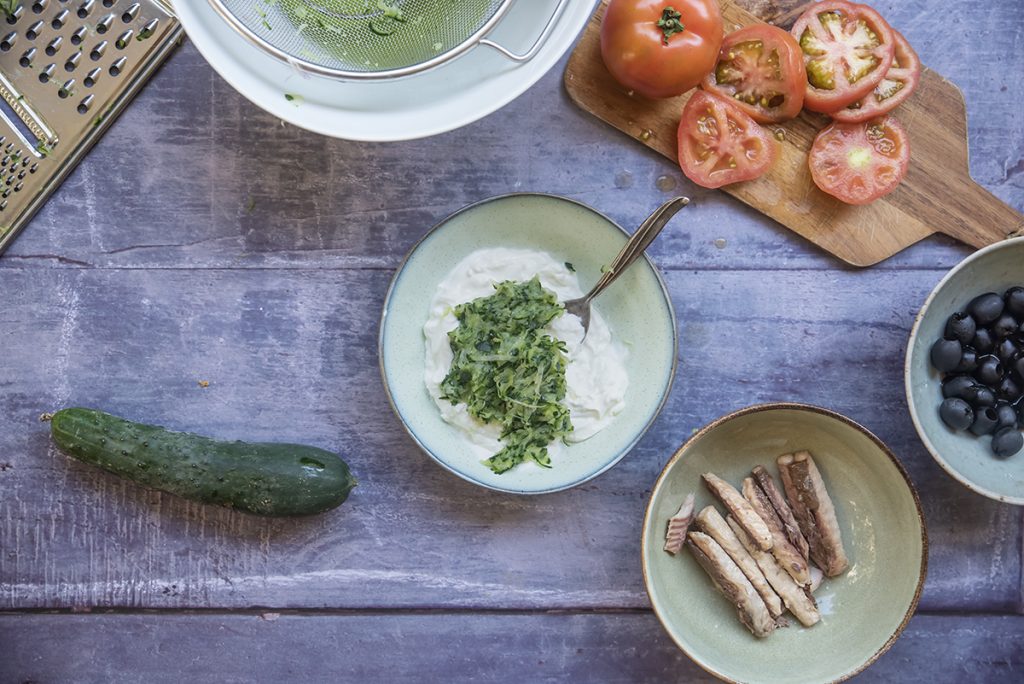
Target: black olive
column 946, row 355
column 979, row 396
column 985, row 421
column 1008, row 389
column 968, row 361
column 956, row 413
column 986, row 308
column 1017, row 364
column 1006, row 350
column 961, row 326
column 1015, row 301
column 1004, row 326
column 983, row 341
column 1007, row 442
column 990, row 371
column 1006, row 415
column 956, row 385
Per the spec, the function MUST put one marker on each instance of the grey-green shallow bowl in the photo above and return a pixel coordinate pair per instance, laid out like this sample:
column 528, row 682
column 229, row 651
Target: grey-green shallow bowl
column 967, row 458
column 863, row 611
column 637, row 308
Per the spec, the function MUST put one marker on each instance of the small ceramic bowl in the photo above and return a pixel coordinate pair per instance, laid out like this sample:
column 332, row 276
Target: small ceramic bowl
column 967, row 458
column 637, row 309
column 863, row 611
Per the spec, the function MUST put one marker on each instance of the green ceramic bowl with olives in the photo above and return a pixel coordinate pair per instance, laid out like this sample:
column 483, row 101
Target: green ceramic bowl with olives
column 968, row 458
column 863, row 610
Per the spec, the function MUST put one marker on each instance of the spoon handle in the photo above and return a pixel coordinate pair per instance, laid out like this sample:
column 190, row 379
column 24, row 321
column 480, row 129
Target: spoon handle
column 638, row 243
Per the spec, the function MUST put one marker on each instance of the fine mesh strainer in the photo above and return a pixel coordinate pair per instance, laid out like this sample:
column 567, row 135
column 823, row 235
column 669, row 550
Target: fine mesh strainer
column 372, row 39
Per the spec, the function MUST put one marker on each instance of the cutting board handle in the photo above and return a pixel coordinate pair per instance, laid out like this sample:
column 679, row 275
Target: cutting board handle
column 979, row 218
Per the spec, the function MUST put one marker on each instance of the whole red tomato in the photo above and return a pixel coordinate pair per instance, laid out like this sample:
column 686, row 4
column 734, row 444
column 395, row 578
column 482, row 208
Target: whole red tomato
column 661, row 48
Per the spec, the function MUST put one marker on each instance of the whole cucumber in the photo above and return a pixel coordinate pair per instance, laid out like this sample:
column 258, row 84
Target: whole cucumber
column 260, row 478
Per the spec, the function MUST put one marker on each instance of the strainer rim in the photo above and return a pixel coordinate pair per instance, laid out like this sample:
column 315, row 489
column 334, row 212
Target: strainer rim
column 346, row 74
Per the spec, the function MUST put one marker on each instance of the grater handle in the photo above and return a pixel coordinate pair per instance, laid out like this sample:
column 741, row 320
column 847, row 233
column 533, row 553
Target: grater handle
column 532, row 52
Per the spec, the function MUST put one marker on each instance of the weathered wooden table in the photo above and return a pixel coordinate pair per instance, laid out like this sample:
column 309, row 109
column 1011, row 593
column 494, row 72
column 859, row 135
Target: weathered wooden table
column 204, row 240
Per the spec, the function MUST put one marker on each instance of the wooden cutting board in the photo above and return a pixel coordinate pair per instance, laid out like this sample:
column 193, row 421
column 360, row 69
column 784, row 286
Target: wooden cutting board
column 938, row 194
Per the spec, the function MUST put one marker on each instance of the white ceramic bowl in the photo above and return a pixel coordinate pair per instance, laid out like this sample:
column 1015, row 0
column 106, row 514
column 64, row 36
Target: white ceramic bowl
column 448, row 97
column 967, row 458
column 636, row 307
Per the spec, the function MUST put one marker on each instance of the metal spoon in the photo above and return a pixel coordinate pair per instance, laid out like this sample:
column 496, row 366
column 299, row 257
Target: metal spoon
column 634, row 248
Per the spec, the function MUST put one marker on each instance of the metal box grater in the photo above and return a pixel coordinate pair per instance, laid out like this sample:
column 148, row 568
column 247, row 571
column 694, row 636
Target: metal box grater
column 67, row 69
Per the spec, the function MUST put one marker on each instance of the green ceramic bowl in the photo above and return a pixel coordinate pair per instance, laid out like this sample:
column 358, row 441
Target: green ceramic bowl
column 863, row 611
column 962, row 455
column 637, row 308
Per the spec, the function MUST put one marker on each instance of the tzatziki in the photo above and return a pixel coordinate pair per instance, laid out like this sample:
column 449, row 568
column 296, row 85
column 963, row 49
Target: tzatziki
column 595, row 375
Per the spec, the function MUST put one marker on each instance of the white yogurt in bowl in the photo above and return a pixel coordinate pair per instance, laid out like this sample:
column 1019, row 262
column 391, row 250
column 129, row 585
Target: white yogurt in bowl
column 596, row 376
column 615, row 394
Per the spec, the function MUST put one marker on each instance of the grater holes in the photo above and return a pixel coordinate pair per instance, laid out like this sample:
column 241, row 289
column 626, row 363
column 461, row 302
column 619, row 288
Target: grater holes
column 10, row 146
column 128, row 16
column 78, row 36
column 46, row 73
column 66, row 89
column 108, row 3
column 97, row 52
column 149, row 29
column 103, row 25
column 13, row 17
column 91, row 78
column 3, row 205
column 33, row 31
column 72, row 62
column 39, row 6
column 124, row 40
column 85, row 8
column 7, row 42
column 54, row 46
column 33, row 168
column 26, row 58
column 117, row 67
column 85, row 104
column 60, row 19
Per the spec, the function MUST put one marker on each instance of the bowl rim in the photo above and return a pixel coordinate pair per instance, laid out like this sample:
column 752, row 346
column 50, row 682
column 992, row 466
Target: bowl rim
column 794, row 406
column 666, row 297
column 907, row 384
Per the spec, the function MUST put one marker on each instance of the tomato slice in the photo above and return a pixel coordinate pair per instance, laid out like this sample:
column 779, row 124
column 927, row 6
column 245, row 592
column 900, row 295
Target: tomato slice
column 859, row 162
column 892, row 91
column 719, row 144
column 847, row 49
column 761, row 68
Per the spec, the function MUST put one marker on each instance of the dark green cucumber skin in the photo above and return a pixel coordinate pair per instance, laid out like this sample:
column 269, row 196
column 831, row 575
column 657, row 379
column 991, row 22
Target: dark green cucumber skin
column 259, row 478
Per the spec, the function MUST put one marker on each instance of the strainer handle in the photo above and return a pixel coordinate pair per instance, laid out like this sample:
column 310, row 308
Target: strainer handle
column 532, row 52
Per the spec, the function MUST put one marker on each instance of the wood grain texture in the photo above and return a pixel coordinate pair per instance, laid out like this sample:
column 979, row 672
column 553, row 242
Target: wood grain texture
column 937, row 195
column 180, row 182
column 627, row 647
column 204, row 240
column 290, row 355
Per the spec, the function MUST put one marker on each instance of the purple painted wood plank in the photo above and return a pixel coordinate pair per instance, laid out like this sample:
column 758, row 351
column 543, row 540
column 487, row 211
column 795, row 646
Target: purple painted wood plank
column 594, row 647
column 291, row 356
column 193, row 175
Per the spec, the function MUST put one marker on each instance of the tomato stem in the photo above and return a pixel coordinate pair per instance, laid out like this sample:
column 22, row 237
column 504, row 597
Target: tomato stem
column 670, row 24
